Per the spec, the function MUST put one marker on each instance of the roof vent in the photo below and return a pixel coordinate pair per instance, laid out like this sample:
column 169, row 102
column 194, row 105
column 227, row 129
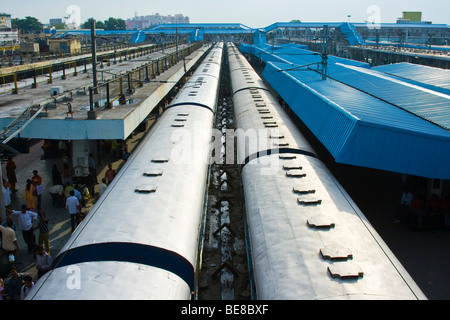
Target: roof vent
column 281, row 144
column 145, row 188
column 292, row 165
column 160, row 159
column 345, row 271
column 299, row 190
column 153, row 173
column 336, row 253
column 295, row 173
column 321, row 222
column 309, row 202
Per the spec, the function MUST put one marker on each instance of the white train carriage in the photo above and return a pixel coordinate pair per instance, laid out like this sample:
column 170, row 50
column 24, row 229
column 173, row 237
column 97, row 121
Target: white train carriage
column 140, row 240
column 308, row 239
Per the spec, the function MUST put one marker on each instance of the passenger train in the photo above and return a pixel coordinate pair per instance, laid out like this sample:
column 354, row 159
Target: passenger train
column 141, row 239
column 307, row 238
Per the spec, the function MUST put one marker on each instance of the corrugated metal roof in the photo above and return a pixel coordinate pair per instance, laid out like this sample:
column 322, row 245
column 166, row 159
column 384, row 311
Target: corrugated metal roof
column 432, row 78
column 425, row 103
column 360, row 129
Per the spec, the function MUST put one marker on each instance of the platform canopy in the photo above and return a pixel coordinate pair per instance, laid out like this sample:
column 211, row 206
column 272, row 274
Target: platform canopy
column 365, row 117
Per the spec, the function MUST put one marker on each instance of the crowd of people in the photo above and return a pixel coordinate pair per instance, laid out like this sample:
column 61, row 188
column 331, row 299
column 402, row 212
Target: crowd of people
column 31, row 217
column 417, row 211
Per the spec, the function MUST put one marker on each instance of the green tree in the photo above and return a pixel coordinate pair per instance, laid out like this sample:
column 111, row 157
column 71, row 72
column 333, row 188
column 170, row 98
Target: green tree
column 60, row 26
column 87, row 24
column 115, row 24
column 27, row 25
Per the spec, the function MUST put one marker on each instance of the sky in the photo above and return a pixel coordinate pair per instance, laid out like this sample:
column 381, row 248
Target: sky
column 252, row 13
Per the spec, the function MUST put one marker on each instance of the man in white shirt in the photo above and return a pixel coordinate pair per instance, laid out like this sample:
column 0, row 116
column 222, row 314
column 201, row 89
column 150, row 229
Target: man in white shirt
column 6, row 194
column 73, row 207
column 102, row 187
column 26, row 225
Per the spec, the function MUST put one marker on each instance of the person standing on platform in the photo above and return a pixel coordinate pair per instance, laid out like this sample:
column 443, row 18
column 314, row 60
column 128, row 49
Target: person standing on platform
column 43, row 261
column 9, row 240
column 6, row 195
column 110, row 174
column 102, row 187
column 11, row 173
column 44, row 234
column 36, row 180
column 56, row 175
column 73, row 207
column 30, row 195
column 26, row 225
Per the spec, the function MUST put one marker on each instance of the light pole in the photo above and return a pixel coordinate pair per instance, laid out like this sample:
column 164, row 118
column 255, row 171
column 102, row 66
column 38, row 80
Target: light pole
column 93, row 90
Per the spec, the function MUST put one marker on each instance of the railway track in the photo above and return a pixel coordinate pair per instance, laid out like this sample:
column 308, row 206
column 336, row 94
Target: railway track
column 224, row 273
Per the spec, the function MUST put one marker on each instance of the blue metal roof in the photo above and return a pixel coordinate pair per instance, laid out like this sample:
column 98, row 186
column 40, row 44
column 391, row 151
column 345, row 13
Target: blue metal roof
column 360, row 129
column 428, row 77
column 364, row 117
column 425, row 103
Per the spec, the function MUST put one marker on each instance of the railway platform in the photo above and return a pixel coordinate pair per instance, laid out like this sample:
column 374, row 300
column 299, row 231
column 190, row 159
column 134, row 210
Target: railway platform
column 59, row 219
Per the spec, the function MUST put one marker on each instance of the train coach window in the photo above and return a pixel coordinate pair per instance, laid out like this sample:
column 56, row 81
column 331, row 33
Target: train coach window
column 145, row 188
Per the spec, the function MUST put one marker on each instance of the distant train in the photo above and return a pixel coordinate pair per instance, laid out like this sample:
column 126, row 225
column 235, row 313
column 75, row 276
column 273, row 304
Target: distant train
column 307, row 238
column 140, row 240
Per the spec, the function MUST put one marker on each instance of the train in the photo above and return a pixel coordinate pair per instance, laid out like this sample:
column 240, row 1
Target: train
column 307, row 239
column 141, row 238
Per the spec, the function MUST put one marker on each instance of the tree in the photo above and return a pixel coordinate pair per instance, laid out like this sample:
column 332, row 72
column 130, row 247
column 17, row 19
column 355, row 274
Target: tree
column 115, row 24
column 27, row 25
column 60, row 26
column 87, row 24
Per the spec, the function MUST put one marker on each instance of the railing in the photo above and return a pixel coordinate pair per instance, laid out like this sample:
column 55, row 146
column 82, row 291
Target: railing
column 113, row 91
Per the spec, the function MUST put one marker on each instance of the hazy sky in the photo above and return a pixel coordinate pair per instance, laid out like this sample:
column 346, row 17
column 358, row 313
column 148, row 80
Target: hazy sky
column 253, row 13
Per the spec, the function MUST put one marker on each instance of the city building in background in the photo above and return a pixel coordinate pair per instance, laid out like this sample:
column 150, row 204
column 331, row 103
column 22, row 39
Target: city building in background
column 145, row 22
